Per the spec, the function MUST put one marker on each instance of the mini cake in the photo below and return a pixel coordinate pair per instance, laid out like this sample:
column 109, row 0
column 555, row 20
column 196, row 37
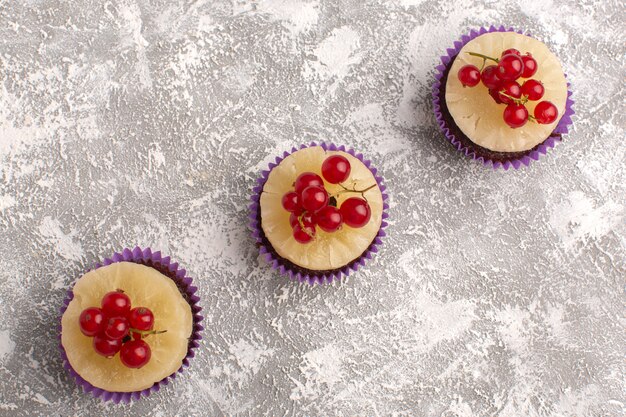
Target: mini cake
column 502, row 97
column 128, row 326
column 319, row 212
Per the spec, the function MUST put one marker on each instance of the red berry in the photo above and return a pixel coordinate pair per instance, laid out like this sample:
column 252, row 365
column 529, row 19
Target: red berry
column 307, row 179
column 469, row 75
column 510, row 67
column 511, row 51
column 92, row 321
column 116, row 304
column 329, row 219
column 533, row 89
column 336, row 169
column 495, row 96
column 135, row 354
column 510, row 88
column 490, row 78
column 117, row 328
column 515, row 115
column 303, row 235
column 307, row 219
column 141, row 318
column 105, row 346
column 356, row 212
column 314, row 198
column 546, row 112
column 293, row 220
column 530, row 66
column 290, row 201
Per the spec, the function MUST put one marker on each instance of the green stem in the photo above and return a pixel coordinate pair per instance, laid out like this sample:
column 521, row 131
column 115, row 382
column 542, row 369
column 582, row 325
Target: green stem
column 146, row 332
column 347, row 190
column 485, row 57
column 302, row 226
column 521, row 101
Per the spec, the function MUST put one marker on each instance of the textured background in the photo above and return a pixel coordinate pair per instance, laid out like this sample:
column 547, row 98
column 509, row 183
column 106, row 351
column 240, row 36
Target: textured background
column 146, row 122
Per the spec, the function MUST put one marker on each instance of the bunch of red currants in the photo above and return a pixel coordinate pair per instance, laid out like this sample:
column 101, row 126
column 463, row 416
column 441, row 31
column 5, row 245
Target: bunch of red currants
column 504, row 88
column 115, row 327
column 311, row 206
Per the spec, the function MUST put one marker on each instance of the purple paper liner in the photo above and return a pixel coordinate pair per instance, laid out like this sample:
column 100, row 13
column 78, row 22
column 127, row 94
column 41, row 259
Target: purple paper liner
column 284, row 266
column 168, row 268
column 516, row 162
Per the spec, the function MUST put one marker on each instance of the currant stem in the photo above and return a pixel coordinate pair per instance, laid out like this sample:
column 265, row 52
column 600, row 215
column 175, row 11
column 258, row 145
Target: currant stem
column 301, row 223
column 485, row 57
column 347, row 190
column 146, row 332
column 521, row 101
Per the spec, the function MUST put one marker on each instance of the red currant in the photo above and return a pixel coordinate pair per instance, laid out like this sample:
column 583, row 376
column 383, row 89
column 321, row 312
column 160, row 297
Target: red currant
column 307, row 179
column 314, row 198
column 305, row 235
column 515, row 115
column 511, row 51
column 336, row 169
column 469, row 75
column 307, row 219
column 135, row 354
column 141, row 318
column 530, row 66
column 105, row 346
column 329, row 219
column 356, row 212
column 546, row 112
column 116, row 304
column 92, row 321
column 290, row 201
column 490, row 78
column 533, row 89
column 495, row 96
column 510, row 88
column 510, row 67
column 293, row 220
column 117, row 328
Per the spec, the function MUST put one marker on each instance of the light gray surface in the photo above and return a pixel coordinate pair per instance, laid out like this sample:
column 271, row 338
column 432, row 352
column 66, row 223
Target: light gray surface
column 146, row 122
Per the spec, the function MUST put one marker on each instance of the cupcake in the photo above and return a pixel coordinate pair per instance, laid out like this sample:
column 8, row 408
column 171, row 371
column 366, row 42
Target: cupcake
column 319, row 212
column 129, row 325
column 502, row 97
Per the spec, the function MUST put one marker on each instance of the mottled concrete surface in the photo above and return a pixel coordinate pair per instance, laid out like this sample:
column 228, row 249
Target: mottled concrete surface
column 146, row 122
